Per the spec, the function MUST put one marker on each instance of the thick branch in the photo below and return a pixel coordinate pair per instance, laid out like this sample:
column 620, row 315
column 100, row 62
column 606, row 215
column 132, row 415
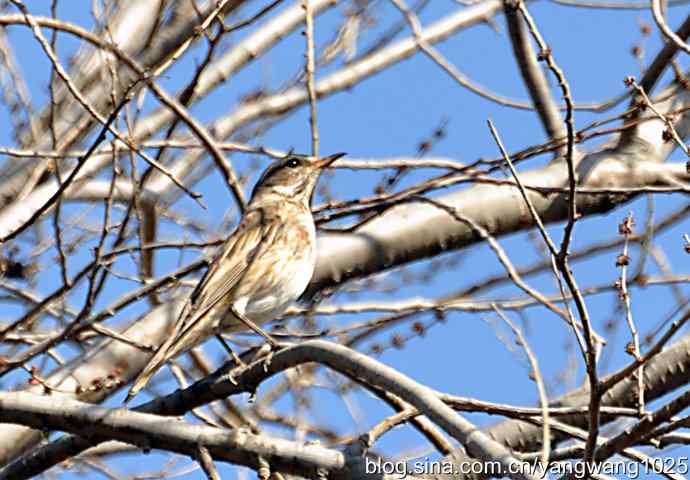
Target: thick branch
column 174, row 435
column 414, row 231
column 95, row 375
column 99, row 424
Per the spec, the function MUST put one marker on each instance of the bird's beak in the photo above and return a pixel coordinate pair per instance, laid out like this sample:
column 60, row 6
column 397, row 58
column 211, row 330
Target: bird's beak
column 326, row 161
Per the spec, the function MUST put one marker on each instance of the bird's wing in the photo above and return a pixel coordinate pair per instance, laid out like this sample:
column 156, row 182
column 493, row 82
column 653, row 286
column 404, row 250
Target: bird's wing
column 245, row 245
column 252, row 237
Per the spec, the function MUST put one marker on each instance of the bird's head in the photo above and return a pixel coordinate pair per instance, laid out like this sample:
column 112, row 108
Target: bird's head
column 293, row 177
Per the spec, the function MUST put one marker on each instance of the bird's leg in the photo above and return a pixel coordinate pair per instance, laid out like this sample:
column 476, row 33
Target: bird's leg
column 238, row 361
column 257, row 329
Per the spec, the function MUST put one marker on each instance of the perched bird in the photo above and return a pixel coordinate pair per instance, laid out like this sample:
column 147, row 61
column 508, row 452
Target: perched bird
column 265, row 264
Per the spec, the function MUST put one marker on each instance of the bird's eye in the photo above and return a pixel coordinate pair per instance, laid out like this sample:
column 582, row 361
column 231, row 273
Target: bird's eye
column 292, row 163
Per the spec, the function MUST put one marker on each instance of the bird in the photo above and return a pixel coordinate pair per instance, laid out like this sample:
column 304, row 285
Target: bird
column 262, row 267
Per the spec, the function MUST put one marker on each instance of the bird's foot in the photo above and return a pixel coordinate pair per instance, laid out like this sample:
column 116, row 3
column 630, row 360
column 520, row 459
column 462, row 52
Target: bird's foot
column 231, row 378
column 268, row 349
column 268, row 359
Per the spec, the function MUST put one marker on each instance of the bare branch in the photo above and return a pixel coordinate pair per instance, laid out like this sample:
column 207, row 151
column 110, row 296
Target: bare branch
column 663, row 26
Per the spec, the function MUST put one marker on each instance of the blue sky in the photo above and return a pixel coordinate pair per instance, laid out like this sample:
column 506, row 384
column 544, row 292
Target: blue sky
column 387, row 116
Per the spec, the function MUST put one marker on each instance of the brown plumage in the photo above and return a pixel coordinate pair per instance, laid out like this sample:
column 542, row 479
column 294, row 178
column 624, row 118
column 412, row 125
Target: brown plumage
column 265, row 264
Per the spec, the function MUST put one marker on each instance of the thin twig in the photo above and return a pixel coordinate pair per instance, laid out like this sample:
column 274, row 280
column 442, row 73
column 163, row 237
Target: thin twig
column 546, row 56
column 448, row 67
column 75, row 171
column 309, row 69
column 633, row 348
column 62, row 73
column 502, row 256
column 562, row 259
column 663, row 26
column 543, row 399
column 542, row 230
column 671, row 132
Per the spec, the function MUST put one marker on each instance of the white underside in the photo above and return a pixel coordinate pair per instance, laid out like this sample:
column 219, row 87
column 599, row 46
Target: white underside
column 278, row 300
column 268, row 307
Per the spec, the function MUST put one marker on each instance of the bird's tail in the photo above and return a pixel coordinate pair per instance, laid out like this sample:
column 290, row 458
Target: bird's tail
column 179, row 341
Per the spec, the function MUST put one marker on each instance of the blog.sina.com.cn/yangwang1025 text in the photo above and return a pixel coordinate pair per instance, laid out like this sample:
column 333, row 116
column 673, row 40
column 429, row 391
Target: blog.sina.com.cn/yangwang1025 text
column 628, row 469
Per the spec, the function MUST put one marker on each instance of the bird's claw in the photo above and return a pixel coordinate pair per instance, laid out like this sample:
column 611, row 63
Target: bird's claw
column 268, row 359
column 231, row 378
